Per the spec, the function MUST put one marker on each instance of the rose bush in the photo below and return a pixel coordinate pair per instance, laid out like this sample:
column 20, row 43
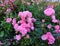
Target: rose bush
column 29, row 23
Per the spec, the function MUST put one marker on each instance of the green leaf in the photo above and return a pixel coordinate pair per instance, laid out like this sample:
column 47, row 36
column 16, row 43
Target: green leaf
column 1, row 33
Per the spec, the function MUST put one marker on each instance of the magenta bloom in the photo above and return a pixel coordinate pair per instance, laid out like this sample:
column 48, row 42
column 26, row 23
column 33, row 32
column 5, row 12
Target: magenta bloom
column 18, row 37
column 48, row 36
column 20, row 14
column 22, row 30
column 29, row 14
column 53, row 17
column 14, row 21
column 49, row 26
column 8, row 20
column 55, row 21
column 16, row 27
column 57, row 27
column 25, row 14
column 43, row 20
column 50, row 41
column 32, row 28
column 29, row 20
column 44, row 37
column 57, row 31
column 49, row 11
column 24, row 25
column 33, row 19
column 21, row 21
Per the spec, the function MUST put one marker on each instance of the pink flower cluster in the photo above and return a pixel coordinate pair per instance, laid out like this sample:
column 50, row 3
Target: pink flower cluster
column 48, row 36
column 25, row 25
column 18, row 37
column 6, row 2
column 51, row 12
column 57, row 29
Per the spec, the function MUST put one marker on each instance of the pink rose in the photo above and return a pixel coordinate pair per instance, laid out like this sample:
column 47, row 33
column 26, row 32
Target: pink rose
column 55, row 21
column 14, row 21
column 44, row 37
column 18, row 37
column 43, row 20
column 57, row 27
column 48, row 36
column 8, row 20
column 53, row 17
column 49, row 26
column 49, row 11
column 22, row 30
column 16, row 27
